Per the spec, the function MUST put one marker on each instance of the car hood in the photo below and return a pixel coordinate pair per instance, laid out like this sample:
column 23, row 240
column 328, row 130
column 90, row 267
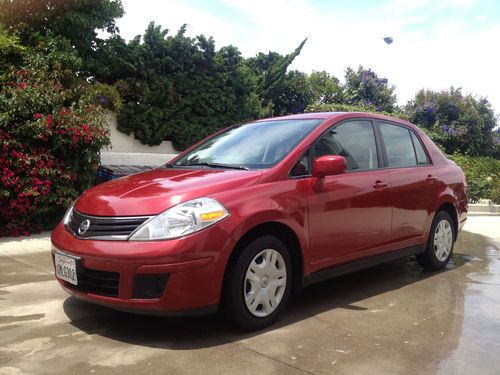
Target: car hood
column 152, row 192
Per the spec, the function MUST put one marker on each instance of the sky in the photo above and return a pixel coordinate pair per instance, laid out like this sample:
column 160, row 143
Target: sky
column 437, row 43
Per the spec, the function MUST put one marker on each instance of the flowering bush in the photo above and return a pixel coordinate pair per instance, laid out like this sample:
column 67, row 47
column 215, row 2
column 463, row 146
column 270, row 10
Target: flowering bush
column 364, row 87
column 457, row 122
column 50, row 140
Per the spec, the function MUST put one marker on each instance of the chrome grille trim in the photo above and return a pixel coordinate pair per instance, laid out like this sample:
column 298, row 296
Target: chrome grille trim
column 111, row 228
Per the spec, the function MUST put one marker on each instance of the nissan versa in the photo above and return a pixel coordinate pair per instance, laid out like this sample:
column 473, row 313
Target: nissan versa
column 257, row 211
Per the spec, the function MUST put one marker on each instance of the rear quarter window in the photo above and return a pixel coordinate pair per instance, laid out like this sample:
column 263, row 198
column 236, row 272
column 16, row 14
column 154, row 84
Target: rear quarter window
column 422, row 158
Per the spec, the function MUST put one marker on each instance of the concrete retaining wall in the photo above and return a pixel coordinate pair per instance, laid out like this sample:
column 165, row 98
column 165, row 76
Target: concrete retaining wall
column 126, row 150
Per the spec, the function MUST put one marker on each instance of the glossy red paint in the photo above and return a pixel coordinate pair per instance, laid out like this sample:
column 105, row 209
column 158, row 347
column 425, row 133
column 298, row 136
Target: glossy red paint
column 335, row 219
column 328, row 165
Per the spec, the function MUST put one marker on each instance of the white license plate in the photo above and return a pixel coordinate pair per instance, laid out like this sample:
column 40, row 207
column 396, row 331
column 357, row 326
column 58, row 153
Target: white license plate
column 66, row 268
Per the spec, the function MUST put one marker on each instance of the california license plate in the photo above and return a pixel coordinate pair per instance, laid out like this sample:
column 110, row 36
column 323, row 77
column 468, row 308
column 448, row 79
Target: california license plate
column 66, row 268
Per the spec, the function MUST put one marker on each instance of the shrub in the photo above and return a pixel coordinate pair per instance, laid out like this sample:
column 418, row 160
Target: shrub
column 495, row 196
column 50, row 140
column 178, row 88
column 483, row 176
column 458, row 122
column 364, row 87
column 334, row 107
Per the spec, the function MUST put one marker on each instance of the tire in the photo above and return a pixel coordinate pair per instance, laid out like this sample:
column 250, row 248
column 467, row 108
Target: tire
column 440, row 243
column 254, row 279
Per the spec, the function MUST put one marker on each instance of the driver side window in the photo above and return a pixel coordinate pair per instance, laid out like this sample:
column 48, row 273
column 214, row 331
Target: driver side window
column 354, row 140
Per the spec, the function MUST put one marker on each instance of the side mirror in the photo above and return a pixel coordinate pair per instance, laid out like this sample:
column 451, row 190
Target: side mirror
column 329, row 165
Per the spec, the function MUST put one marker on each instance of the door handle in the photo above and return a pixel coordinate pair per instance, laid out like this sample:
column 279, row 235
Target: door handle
column 431, row 179
column 379, row 184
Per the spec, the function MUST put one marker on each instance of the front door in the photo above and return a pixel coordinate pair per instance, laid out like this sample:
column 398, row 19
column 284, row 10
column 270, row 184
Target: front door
column 349, row 214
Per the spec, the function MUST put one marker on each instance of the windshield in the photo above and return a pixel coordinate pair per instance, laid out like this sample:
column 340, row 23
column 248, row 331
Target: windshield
column 255, row 145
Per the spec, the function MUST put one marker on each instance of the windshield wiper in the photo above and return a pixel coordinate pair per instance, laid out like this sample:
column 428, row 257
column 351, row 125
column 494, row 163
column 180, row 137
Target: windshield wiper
column 211, row 165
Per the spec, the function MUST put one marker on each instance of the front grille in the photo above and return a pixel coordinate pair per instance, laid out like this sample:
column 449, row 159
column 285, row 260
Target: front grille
column 104, row 227
column 104, row 283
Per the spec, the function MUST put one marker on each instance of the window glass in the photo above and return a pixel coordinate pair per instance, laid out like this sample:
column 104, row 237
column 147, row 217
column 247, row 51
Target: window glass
column 398, row 145
column 256, row 145
column 303, row 165
column 353, row 140
column 422, row 158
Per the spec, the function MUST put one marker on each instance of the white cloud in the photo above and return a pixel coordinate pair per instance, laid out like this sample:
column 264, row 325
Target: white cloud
column 425, row 52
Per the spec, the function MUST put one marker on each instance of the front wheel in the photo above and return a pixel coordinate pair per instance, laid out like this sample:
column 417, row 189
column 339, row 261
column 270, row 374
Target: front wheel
column 440, row 243
column 259, row 282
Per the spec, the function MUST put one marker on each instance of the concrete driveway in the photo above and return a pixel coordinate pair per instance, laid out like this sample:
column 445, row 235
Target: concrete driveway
column 391, row 319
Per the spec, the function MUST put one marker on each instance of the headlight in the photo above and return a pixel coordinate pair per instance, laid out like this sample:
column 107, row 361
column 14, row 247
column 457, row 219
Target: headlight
column 68, row 213
column 180, row 220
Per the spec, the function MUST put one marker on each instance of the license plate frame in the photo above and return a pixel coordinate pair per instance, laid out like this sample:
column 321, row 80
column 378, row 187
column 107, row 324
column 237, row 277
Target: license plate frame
column 66, row 267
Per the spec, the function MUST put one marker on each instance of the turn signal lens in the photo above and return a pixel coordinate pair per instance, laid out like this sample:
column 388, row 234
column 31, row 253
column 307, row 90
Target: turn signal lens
column 210, row 216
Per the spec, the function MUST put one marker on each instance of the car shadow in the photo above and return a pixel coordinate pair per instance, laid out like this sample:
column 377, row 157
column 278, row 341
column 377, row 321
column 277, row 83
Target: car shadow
column 200, row 332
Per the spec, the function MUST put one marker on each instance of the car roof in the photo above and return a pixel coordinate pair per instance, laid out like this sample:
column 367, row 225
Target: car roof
column 331, row 115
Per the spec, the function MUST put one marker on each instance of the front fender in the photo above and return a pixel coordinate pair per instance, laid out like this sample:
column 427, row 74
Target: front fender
column 270, row 203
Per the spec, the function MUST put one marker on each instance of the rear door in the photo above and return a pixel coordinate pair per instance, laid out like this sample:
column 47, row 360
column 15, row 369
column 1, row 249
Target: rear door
column 413, row 184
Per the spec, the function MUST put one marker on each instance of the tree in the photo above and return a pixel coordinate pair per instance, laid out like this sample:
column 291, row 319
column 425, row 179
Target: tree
column 74, row 20
column 271, row 70
column 294, row 94
column 178, row 88
column 460, row 123
column 326, row 89
column 365, row 87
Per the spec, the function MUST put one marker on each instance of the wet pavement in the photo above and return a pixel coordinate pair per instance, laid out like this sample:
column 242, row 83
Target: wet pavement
column 390, row 319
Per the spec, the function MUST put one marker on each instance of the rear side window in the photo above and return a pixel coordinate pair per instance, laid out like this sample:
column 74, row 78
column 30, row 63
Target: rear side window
column 422, row 158
column 354, row 140
column 398, row 145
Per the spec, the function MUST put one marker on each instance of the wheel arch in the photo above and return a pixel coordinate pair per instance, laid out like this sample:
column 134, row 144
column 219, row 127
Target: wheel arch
column 450, row 209
column 280, row 231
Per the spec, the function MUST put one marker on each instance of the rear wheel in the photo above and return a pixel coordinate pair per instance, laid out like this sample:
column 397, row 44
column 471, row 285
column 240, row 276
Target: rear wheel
column 440, row 243
column 259, row 282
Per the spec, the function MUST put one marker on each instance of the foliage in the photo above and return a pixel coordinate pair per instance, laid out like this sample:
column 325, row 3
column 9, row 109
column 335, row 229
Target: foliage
column 294, row 94
column 352, row 108
column 482, row 174
column 179, row 88
column 51, row 134
column 459, row 123
column 326, row 89
column 495, row 195
column 76, row 21
column 271, row 80
column 364, row 87
column 363, row 91
column 11, row 50
column 107, row 96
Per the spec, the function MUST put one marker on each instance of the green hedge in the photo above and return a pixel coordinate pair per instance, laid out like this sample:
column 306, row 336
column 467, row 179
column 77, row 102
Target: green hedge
column 483, row 176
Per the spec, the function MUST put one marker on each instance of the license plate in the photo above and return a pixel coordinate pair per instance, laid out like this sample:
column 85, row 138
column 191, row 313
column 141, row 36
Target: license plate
column 66, row 268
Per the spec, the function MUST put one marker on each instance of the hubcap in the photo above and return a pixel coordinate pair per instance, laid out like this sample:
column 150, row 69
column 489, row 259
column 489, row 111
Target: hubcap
column 443, row 240
column 265, row 283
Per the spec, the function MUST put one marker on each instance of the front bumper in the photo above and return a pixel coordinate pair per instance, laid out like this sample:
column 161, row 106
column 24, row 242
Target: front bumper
column 192, row 267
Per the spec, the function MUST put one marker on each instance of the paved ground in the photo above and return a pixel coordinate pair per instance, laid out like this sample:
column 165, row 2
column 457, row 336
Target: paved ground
column 391, row 319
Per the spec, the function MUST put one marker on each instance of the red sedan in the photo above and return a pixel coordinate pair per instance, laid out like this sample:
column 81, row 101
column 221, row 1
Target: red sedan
column 258, row 210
